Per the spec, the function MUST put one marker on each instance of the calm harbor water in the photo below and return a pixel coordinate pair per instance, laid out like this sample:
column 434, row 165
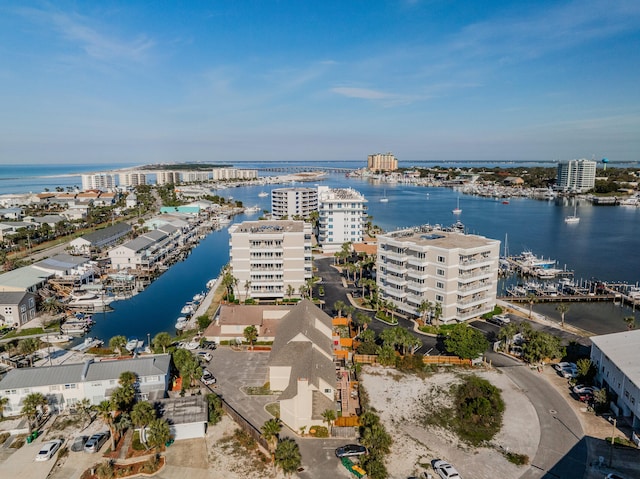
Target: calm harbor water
column 604, row 245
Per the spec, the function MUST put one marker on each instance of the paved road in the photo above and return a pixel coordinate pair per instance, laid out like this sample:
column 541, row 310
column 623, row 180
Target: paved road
column 562, row 451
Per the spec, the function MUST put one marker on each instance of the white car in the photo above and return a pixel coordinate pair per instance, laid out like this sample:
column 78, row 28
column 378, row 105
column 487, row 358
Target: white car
column 445, row 470
column 564, row 365
column 207, row 377
column 582, row 389
column 48, row 449
column 569, row 373
column 204, row 355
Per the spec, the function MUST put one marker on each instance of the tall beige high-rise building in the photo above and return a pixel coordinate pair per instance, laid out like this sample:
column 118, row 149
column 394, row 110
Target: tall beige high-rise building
column 382, row 162
column 132, row 178
column 270, row 259
column 341, row 217
column 290, row 202
column 219, row 174
column 98, row 181
column 455, row 270
column 166, row 177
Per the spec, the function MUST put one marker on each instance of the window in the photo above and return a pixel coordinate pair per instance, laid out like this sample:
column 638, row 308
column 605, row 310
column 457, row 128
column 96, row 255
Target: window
column 328, row 390
column 439, row 298
column 439, row 285
column 440, row 272
column 441, row 259
column 69, row 386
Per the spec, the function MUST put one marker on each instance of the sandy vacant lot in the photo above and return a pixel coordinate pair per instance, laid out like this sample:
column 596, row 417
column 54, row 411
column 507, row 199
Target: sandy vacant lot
column 398, row 398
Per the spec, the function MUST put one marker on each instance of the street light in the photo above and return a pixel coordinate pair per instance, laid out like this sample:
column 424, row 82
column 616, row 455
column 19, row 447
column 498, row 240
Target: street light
column 613, row 432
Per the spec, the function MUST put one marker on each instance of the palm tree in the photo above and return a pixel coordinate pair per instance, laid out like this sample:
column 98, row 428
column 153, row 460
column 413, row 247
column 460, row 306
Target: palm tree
column 159, row 433
column 531, row 299
column 329, row 415
column 251, row 334
column 339, row 306
column 630, row 321
column 84, row 406
column 105, row 410
column 562, row 308
column 303, row 290
column 349, row 310
column 424, row 309
column 270, row 431
column 3, row 402
column 362, row 320
column 163, row 340
column 247, row 287
column 287, row 456
column 310, row 283
column 33, row 404
column 290, row 291
column 437, row 312
column 142, row 414
column 29, row 346
column 118, row 343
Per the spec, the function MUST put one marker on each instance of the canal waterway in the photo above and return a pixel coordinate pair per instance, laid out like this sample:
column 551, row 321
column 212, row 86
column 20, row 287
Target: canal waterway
column 605, row 244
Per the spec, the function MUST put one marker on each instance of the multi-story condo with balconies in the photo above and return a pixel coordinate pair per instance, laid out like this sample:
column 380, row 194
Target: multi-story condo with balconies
column 233, row 174
column 455, row 270
column 293, row 202
column 132, row 178
column 576, row 175
column 270, row 259
column 98, row 181
column 165, row 177
column 342, row 214
column 382, row 162
column 195, row 176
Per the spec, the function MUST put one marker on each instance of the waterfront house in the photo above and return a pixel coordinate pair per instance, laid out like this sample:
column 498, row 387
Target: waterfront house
column 27, row 278
column 232, row 319
column 100, row 238
column 301, row 366
column 16, row 308
column 66, row 385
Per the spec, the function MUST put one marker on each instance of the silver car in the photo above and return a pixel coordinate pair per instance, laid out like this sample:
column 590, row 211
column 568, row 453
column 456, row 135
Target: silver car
column 96, row 441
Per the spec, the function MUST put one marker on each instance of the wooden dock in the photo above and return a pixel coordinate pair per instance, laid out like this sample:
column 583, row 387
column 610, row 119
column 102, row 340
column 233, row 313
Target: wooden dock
column 584, row 298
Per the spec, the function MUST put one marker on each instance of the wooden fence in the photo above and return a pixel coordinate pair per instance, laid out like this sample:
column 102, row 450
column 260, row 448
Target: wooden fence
column 450, row 360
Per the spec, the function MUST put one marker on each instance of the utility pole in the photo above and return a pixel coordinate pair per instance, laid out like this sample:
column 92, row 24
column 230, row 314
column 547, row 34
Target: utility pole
column 613, row 433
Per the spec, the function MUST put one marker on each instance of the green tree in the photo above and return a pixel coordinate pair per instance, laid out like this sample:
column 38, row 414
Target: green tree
column 387, row 355
column 29, row 346
column 117, row 343
column 203, row 322
column 562, row 308
column 142, row 414
column 540, row 345
column 465, row 342
column 84, row 406
column 250, row 334
column 329, row 415
column 162, row 340
column 270, row 431
column 105, row 411
column 214, row 404
column 290, row 291
column 3, row 403
column 32, row 405
column 362, row 320
column 586, row 370
column 630, row 321
column 287, row 456
column 531, row 299
column 338, row 306
column 159, row 432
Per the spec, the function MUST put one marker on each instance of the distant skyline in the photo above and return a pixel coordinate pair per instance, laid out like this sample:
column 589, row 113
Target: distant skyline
column 295, row 80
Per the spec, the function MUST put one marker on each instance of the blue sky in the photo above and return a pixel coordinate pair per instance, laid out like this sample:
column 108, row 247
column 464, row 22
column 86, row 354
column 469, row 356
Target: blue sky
column 222, row 80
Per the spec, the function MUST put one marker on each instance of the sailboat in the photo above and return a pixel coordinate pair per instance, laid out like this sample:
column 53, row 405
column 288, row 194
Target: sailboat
column 457, row 210
column 573, row 218
column 384, row 199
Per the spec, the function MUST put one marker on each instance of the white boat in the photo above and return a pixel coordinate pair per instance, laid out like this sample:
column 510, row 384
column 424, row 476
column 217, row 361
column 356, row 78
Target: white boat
column 90, row 302
column 457, row 210
column 133, row 344
column 56, row 338
column 573, row 218
column 187, row 309
column 223, row 219
column 252, row 209
column 211, row 283
column 263, row 194
column 74, row 327
column 181, row 323
column 384, row 199
column 198, row 297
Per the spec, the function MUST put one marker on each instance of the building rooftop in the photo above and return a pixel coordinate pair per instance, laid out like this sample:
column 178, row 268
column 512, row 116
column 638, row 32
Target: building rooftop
column 61, row 262
column 439, row 238
column 268, row 227
column 184, row 410
column 23, row 278
column 108, row 232
column 622, row 349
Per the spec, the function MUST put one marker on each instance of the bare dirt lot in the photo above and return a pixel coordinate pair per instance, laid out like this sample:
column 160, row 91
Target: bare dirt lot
column 399, row 400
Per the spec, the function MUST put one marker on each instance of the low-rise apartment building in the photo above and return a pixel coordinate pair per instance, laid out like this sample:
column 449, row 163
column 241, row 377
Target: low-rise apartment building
column 293, row 202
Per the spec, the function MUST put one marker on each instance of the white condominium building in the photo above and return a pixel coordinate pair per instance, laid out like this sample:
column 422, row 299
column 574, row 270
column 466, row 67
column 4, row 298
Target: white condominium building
column 458, row 271
column 382, row 162
column 342, row 214
column 165, row 177
column 195, row 176
column 220, row 174
column 132, row 178
column 98, row 181
column 270, row 259
column 576, row 175
column 292, row 202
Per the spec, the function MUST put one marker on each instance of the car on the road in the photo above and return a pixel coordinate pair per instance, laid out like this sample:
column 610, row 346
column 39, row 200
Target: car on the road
column 207, row 377
column 96, row 441
column 204, row 356
column 349, row 450
column 499, row 319
column 48, row 449
column 568, row 373
column 445, row 470
column 78, row 443
column 564, row 365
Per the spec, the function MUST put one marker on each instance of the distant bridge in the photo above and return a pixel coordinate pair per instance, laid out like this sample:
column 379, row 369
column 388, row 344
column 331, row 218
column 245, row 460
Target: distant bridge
column 300, row 169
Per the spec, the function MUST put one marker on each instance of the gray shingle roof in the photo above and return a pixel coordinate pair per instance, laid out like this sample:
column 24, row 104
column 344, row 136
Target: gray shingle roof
column 12, row 297
column 24, row 277
column 72, row 373
column 61, row 262
column 138, row 244
column 110, row 231
column 301, row 320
